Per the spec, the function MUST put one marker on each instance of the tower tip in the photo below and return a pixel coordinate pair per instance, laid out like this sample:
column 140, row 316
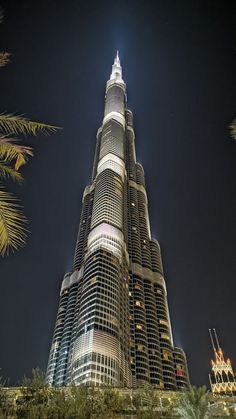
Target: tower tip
column 116, row 73
column 117, row 59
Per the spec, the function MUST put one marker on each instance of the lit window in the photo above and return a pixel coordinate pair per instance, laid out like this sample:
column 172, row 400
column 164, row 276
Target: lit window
column 165, row 336
column 93, row 280
column 180, row 372
column 133, row 204
column 139, row 326
column 166, row 354
column 56, row 344
column 139, row 304
column 161, row 321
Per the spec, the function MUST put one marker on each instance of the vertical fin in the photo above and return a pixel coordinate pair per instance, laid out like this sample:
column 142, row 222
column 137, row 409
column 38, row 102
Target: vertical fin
column 216, row 338
column 211, row 337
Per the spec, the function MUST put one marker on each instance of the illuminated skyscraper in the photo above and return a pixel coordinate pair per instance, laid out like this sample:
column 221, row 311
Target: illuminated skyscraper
column 113, row 324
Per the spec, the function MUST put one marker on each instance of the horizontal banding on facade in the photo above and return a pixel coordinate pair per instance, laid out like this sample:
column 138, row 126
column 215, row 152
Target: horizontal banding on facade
column 111, row 161
column 70, row 279
column 108, row 237
column 115, row 115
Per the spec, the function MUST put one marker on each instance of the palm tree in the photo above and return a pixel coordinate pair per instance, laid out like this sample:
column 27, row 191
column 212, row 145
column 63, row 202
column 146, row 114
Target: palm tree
column 4, row 58
column 194, row 403
column 232, row 128
column 12, row 156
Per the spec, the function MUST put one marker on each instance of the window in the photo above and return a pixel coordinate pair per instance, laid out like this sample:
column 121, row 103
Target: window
column 139, row 304
column 165, row 336
column 161, row 321
column 93, row 280
column 166, row 354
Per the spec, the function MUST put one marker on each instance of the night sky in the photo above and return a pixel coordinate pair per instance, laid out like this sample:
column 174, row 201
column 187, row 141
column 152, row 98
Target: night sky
column 179, row 64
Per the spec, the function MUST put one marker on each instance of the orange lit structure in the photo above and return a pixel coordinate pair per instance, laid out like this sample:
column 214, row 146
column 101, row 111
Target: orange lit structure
column 222, row 379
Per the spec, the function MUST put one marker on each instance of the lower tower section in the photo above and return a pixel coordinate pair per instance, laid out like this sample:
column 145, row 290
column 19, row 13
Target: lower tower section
column 100, row 352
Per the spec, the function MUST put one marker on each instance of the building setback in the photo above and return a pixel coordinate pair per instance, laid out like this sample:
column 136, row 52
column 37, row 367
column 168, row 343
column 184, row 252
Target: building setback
column 113, row 324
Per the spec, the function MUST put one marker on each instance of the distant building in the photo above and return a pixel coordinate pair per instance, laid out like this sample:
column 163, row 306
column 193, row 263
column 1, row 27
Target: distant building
column 222, row 379
column 113, row 324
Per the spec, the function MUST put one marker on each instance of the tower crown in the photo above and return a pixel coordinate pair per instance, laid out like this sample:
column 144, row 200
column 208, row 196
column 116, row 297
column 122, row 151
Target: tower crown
column 116, row 73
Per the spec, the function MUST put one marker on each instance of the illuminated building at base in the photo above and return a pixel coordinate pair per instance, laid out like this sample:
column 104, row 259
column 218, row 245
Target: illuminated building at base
column 222, row 379
column 113, row 325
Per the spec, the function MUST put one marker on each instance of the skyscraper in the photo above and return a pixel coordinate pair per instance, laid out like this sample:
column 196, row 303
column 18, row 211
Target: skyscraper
column 113, row 324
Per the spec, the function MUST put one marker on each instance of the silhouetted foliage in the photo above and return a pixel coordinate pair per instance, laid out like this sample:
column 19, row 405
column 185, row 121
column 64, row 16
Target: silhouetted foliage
column 36, row 400
column 13, row 155
column 193, row 403
column 232, row 128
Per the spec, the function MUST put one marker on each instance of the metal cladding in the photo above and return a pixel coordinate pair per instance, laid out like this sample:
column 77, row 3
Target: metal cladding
column 113, row 325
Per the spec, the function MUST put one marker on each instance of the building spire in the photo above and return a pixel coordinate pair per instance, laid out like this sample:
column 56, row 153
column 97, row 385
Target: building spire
column 117, row 59
column 116, row 74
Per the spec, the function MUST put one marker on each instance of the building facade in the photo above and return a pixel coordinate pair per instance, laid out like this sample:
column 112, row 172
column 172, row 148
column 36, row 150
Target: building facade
column 113, row 325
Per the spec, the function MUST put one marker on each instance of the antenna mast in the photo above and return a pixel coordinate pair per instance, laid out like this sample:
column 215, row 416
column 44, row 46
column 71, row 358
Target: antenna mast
column 222, row 379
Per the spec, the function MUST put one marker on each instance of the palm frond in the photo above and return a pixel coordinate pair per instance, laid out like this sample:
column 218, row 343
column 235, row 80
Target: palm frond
column 10, row 150
column 7, row 172
column 4, row 58
column 1, row 15
column 15, row 124
column 193, row 403
column 232, row 128
column 12, row 223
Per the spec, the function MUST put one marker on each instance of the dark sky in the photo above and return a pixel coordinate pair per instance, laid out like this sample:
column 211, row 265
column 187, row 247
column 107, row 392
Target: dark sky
column 179, row 63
